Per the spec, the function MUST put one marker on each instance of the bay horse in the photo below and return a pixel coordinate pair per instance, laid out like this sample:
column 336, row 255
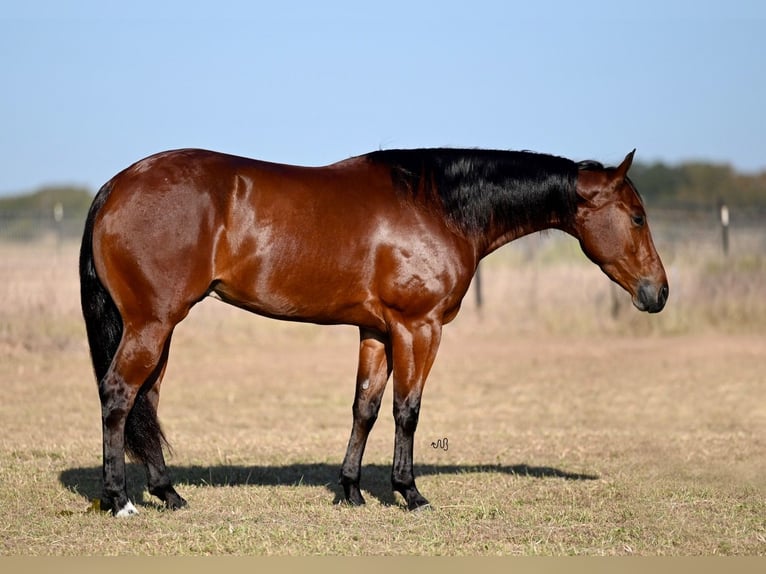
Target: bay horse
column 388, row 242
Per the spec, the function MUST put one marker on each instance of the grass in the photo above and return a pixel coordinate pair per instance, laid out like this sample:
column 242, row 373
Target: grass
column 591, row 435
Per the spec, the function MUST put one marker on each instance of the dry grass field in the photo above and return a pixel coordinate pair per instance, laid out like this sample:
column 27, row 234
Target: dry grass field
column 574, row 424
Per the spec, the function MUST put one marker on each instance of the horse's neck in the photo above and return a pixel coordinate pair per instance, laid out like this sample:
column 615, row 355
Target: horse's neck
column 498, row 237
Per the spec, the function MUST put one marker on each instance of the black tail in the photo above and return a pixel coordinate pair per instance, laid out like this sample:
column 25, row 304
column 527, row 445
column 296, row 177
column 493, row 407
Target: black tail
column 103, row 323
column 102, row 319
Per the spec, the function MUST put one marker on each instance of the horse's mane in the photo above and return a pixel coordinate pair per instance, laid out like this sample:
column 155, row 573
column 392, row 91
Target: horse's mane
column 515, row 189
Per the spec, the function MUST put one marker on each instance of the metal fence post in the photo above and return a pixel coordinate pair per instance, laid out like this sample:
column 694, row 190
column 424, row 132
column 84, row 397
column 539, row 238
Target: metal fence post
column 724, row 213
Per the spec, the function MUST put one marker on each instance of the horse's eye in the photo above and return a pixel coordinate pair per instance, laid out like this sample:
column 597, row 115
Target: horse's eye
column 638, row 220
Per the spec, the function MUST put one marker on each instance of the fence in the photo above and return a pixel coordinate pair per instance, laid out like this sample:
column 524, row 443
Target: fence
column 686, row 231
column 539, row 283
column 47, row 226
column 717, row 228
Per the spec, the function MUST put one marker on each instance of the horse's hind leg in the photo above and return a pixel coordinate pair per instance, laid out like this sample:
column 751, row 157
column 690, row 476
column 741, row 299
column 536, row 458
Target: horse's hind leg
column 145, row 438
column 137, row 361
column 372, row 374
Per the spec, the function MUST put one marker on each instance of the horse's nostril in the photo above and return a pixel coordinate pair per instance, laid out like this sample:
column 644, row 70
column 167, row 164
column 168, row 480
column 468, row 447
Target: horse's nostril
column 663, row 295
column 651, row 297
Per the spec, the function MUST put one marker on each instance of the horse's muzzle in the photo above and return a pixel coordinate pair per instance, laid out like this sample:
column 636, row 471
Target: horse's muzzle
column 651, row 296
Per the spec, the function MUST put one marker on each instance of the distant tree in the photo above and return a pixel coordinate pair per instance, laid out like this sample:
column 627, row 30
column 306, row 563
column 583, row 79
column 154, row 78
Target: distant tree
column 698, row 183
column 59, row 210
column 74, row 200
column 658, row 182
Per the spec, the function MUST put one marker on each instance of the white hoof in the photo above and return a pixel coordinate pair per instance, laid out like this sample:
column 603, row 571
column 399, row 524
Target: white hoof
column 127, row 510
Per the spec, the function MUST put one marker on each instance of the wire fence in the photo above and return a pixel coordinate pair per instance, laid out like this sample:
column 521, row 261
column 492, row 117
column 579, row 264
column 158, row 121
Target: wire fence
column 539, row 283
column 695, row 234
column 40, row 226
column 685, row 231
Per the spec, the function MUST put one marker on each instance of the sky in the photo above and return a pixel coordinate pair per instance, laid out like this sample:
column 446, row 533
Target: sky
column 89, row 87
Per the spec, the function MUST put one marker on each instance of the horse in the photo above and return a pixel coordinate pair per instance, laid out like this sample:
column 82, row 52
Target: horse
column 388, row 242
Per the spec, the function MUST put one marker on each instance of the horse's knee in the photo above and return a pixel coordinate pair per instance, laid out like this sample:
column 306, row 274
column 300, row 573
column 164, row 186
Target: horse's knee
column 366, row 412
column 406, row 415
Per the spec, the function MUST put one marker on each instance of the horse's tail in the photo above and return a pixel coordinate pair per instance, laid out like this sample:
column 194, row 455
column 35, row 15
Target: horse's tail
column 103, row 324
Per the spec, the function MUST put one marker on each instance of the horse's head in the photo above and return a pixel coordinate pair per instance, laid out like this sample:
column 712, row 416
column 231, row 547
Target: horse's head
column 613, row 231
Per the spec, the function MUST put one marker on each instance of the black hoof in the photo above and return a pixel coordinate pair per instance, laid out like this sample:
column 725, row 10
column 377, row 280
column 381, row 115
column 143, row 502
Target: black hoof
column 354, row 496
column 411, row 495
column 175, row 501
column 168, row 494
column 351, row 491
column 418, row 503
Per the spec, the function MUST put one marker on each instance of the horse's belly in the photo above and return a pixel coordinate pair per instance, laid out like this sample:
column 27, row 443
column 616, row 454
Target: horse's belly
column 318, row 299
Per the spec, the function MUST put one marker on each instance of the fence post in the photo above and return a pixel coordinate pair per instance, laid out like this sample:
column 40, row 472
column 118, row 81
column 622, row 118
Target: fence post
column 58, row 217
column 477, row 285
column 724, row 214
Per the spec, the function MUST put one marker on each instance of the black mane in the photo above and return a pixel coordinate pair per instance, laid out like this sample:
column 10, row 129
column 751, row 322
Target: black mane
column 476, row 188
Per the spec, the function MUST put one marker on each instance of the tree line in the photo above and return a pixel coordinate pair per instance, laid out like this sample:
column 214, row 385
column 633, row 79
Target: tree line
column 688, row 185
column 698, row 184
column 56, row 210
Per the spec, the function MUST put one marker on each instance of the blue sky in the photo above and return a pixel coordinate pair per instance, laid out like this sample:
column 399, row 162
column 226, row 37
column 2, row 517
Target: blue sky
column 87, row 88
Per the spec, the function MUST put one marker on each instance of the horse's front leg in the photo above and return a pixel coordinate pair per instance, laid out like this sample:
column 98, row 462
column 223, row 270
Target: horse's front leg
column 414, row 348
column 372, row 374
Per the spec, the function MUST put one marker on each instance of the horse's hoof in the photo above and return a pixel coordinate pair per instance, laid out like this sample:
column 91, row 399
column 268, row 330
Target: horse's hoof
column 175, row 501
column 357, row 500
column 127, row 510
column 418, row 504
column 353, row 496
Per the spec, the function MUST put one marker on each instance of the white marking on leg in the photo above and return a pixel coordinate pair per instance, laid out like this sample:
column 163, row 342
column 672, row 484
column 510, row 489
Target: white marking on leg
column 365, row 384
column 127, row 510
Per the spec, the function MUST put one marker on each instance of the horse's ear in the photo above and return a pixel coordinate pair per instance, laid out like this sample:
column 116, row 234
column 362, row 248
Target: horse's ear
column 622, row 170
column 594, row 187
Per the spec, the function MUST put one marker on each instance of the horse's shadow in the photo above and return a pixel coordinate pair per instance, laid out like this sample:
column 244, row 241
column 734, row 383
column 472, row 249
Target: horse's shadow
column 376, row 478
